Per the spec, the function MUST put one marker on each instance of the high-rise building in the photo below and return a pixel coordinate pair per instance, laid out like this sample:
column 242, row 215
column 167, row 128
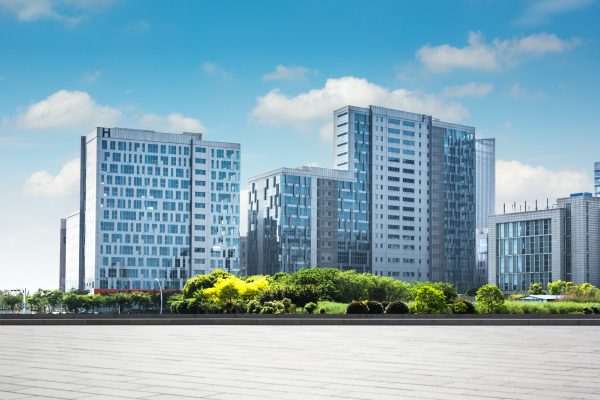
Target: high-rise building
column 597, row 179
column 485, row 196
column 156, row 206
column 243, row 255
column 400, row 202
column 62, row 255
column 73, row 254
column 485, row 173
column 542, row 246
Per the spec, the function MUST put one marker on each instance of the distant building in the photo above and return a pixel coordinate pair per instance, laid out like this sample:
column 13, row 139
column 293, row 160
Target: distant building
column 243, row 256
column 485, row 178
column 153, row 206
column 62, row 260
column 400, row 202
column 73, row 252
column 485, row 196
column 542, row 246
column 597, row 179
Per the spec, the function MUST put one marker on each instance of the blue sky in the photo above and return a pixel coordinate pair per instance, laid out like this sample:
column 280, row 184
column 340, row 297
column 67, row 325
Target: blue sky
column 268, row 74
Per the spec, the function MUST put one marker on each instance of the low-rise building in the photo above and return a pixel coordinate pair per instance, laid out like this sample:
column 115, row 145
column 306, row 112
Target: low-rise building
column 541, row 246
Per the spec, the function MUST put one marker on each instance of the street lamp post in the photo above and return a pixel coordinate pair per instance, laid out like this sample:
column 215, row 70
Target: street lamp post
column 161, row 295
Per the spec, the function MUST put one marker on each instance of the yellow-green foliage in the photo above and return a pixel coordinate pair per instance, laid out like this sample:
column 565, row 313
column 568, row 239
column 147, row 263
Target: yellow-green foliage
column 554, row 307
column 232, row 288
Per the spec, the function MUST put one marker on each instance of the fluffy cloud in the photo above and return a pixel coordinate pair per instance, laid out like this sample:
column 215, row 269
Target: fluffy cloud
column 288, row 73
column 314, row 108
column 77, row 111
column 65, row 110
column 173, row 122
column 65, row 183
column 71, row 12
column 470, row 89
column 482, row 56
column 542, row 11
column 519, row 182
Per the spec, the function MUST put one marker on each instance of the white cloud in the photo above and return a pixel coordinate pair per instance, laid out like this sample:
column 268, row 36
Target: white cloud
column 173, row 122
column 518, row 91
column 71, row 12
column 519, row 182
column 482, row 56
column 213, row 69
column 91, row 76
column 43, row 184
column 77, row 111
column 542, row 11
column 288, row 73
column 65, row 110
column 470, row 89
column 313, row 109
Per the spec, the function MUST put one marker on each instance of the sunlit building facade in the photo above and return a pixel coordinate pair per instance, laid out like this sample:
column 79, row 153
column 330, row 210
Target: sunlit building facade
column 157, row 207
column 407, row 179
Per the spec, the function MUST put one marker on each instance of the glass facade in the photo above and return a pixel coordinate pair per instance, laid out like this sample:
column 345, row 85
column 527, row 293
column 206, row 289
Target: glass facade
column 524, row 254
column 597, row 179
column 159, row 207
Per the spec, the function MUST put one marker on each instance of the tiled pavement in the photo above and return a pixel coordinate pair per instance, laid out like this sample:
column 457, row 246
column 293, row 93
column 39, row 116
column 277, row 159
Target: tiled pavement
column 299, row 362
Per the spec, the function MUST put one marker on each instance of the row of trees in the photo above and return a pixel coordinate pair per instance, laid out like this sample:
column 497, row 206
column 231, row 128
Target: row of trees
column 53, row 301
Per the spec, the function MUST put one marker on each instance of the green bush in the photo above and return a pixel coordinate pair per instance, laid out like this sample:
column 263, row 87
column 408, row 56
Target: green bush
column 536, row 288
column 253, row 307
column 310, row 307
column 463, row 307
column 558, row 287
column 298, row 294
column 200, row 282
column 490, row 300
column 322, row 311
column 397, row 307
column 448, row 290
column 357, row 307
column 429, row 300
column 375, row 307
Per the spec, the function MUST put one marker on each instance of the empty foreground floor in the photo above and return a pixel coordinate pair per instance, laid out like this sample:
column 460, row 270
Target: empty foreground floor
column 298, row 362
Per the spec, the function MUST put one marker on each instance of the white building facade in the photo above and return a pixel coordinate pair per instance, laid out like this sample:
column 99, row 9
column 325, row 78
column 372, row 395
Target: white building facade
column 157, row 207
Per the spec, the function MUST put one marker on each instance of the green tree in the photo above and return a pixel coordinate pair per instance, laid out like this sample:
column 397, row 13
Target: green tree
column 558, row 287
column 12, row 301
column 490, row 299
column 203, row 282
column 54, row 299
column 536, row 288
column 429, row 300
column 74, row 302
column 38, row 301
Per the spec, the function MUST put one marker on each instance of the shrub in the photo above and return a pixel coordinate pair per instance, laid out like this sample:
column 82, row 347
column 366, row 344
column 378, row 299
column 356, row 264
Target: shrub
column 536, row 288
column 429, row 300
column 357, row 307
column 310, row 307
column 253, row 307
column 375, row 307
column 447, row 289
column 397, row 307
column 199, row 282
column 558, row 287
column 300, row 295
column 463, row 307
column 322, row 311
column 490, row 299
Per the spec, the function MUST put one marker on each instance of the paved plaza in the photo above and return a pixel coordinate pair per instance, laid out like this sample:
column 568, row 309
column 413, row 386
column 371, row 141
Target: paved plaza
column 299, row 362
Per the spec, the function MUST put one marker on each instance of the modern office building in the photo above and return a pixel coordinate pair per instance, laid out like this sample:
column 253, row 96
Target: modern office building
column 72, row 269
column 243, row 255
column 400, row 202
column 156, row 207
column 597, row 179
column 485, row 199
column 485, row 173
column 542, row 246
column 62, row 255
